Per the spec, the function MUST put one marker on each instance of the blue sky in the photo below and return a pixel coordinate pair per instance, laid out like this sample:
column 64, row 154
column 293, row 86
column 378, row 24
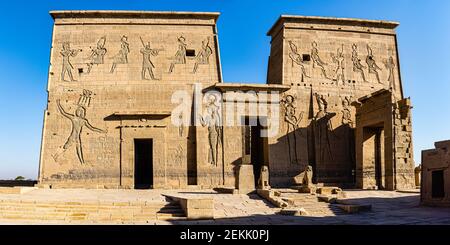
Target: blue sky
column 26, row 28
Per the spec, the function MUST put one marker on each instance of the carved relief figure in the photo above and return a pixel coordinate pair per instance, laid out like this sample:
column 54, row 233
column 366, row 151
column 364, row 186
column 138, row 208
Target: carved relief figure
column 290, row 117
column 122, row 56
column 97, row 54
column 372, row 64
column 212, row 120
column 180, row 55
column 338, row 59
column 296, row 58
column 322, row 105
column 147, row 64
column 202, row 57
column 78, row 121
column 317, row 61
column 348, row 134
column 67, row 67
column 181, row 127
column 390, row 65
column 323, row 127
column 346, row 112
column 357, row 66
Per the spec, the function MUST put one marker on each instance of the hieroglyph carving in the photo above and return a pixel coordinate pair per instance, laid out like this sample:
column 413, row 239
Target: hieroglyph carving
column 97, row 55
column 78, row 121
column 147, row 64
column 180, row 55
column 202, row 57
column 372, row 64
column 212, row 120
column 316, row 60
column 339, row 59
column 122, row 56
column 297, row 59
column 179, row 153
column 357, row 66
column 292, row 121
column 67, row 67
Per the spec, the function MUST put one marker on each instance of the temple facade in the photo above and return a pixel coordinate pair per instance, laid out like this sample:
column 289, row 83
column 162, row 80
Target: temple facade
column 136, row 100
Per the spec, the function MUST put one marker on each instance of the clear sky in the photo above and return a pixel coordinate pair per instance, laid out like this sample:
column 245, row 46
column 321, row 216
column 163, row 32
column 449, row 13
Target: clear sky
column 26, row 29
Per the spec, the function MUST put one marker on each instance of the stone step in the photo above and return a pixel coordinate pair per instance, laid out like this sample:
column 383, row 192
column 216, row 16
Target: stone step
column 76, row 204
column 113, row 212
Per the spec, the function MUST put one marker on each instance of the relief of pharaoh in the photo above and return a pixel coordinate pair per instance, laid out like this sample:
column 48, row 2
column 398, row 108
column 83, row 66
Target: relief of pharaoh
column 78, row 121
column 122, row 56
column 97, row 54
column 212, row 120
column 180, row 55
column 67, row 67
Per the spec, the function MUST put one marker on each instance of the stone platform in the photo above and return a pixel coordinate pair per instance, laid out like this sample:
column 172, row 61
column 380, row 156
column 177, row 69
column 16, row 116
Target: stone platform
column 82, row 206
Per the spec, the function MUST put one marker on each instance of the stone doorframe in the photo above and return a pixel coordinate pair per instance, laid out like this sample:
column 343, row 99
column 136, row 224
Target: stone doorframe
column 128, row 135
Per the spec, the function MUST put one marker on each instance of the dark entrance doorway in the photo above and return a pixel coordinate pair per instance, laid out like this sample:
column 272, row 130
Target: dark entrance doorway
column 437, row 184
column 378, row 160
column 143, row 163
column 255, row 145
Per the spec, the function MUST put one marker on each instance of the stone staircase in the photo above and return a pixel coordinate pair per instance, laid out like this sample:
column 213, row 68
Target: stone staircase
column 312, row 204
column 89, row 212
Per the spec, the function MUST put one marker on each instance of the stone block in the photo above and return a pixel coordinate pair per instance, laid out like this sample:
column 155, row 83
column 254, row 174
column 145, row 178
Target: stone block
column 328, row 190
column 274, row 198
column 354, row 208
column 246, row 179
column 16, row 190
column 294, row 212
column 305, row 189
column 226, row 190
column 197, row 208
column 327, row 198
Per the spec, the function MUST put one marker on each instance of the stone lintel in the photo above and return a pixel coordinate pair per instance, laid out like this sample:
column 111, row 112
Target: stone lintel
column 374, row 94
column 251, row 87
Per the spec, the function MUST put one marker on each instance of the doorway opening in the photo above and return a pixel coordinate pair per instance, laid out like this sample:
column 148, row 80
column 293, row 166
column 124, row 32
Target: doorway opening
column 255, row 145
column 143, row 163
column 437, row 184
column 373, row 156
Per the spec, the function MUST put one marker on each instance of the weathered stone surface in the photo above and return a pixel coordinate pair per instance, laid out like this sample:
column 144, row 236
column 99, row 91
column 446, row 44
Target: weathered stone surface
column 354, row 208
column 383, row 149
column 263, row 182
column 304, row 178
column 16, row 190
column 274, row 197
column 195, row 207
column 294, row 212
column 328, row 190
column 417, row 173
column 306, row 189
column 327, row 198
column 246, row 179
column 435, row 181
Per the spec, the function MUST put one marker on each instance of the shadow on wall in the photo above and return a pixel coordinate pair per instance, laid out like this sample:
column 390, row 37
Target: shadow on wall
column 330, row 151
